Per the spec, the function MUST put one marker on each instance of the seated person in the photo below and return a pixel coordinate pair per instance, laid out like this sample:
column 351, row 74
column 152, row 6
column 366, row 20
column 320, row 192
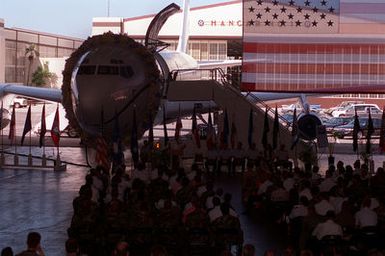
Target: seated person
column 366, row 217
column 328, row 228
column 227, row 227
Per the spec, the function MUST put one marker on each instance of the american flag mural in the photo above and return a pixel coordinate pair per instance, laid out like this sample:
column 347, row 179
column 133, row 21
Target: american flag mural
column 310, row 45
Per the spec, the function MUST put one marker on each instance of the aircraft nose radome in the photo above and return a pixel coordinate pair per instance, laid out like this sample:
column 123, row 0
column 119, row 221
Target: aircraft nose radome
column 111, row 75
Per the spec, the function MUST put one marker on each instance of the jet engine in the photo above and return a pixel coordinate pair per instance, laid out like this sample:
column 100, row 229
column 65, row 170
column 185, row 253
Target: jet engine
column 106, row 80
column 307, row 125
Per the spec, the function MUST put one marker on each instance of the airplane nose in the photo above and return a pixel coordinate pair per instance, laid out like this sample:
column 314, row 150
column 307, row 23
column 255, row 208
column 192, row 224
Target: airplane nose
column 110, row 74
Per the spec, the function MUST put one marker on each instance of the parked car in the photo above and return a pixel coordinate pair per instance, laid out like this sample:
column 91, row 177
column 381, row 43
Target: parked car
column 289, row 109
column 343, row 105
column 19, row 102
column 347, row 129
column 333, row 122
column 362, row 109
column 69, row 131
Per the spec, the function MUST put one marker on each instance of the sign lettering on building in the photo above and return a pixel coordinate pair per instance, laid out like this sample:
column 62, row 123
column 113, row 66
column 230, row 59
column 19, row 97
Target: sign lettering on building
column 220, row 23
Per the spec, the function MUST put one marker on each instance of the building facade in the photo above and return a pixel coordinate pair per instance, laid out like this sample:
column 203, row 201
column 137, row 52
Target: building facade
column 13, row 43
column 215, row 30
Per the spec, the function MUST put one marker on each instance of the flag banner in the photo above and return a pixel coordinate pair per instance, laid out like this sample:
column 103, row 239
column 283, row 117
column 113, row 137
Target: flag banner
column 233, row 136
column 117, row 146
column 294, row 130
column 275, row 128
column 150, row 131
column 43, row 128
column 12, row 126
column 266, row 129
column 251, row 128
column 2, row 116
column 55, row 130
column 27, row 125
column 210, row 139
column 165, row 134
column 178, row 126
column 116, row 138
column 322, row 137
column 382, row 134
column 226, row 131
column 134, row 140
column 318, row 45
column 370, row 131
column 356, row 130
column 101, row 156
column 194, row 129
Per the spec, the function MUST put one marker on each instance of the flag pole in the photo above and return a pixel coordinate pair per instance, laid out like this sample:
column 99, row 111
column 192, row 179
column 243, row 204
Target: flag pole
column 58, row 144
column 2, row 134
column 30, row 144
column 42, row 139
column 30, row 140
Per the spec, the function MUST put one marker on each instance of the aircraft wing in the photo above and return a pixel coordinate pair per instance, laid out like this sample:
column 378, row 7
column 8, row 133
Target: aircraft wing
column 218, row 64
column 225, row 63
column 50, row 94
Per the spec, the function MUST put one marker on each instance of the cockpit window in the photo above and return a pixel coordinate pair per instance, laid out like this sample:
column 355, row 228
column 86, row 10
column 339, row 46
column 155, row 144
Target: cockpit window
column 87, row 70
column 108, row 70
column 126, row 71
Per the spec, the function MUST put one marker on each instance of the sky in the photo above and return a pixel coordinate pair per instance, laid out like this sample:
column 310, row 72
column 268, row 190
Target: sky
column 74, row 17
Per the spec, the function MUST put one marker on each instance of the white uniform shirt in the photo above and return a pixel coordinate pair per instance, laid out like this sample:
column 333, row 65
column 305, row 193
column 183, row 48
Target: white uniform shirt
column 366, row 218
column 321, row 208
column 337, row 203
column 288, row 184
column 306, row 193
column 264, row 186
column 327, row 184
column 298, row 210
column 327, row 228
column 216, row 212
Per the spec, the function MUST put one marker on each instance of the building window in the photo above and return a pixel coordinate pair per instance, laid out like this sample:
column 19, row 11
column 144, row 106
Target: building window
column 204, row 51
column 47, row 51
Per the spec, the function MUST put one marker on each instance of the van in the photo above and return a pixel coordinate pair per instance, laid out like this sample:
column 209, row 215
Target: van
column 362, row 109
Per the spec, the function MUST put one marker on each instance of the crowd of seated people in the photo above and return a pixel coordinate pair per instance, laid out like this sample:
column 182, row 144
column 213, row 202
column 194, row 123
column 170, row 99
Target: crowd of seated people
column 175, row 210
column 339, row 213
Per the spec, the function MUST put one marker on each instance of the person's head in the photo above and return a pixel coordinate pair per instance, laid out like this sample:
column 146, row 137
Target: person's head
column 306, row 253
column 158, row 250
column 216, row 201
column 269, row 253
column 33, row 240
column 330, row 215
column 227, row 197
column 7, row 251
column 248, row 250
column 225, row 209
column 121, row 249
column 315, row 169
column 72, row 247
column 366, row 202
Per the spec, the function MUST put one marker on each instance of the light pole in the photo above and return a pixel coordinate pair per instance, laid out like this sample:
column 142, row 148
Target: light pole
column 108, row 8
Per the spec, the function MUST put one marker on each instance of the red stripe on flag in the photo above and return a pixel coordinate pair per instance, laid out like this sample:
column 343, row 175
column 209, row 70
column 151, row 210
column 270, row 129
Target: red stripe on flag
column 315, row 88
column 101, row 156
column 298, row 48
column 55, row 130
column 367, row 8
column 309, row 68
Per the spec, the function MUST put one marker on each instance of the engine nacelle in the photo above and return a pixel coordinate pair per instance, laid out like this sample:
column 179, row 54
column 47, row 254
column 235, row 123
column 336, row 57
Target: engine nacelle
column 107, row 78
column 307, row 126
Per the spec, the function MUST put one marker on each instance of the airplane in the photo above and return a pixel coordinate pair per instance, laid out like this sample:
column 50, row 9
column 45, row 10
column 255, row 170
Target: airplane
column 111, row 77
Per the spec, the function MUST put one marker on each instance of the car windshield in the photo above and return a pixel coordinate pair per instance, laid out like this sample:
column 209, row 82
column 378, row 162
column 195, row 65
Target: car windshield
column 361, row 121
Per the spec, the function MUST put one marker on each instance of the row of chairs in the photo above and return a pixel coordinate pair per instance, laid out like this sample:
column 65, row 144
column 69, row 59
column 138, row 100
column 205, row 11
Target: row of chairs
column 177, row 241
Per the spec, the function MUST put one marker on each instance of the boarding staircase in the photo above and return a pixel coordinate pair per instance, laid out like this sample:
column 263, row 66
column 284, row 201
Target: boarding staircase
column 212, row 85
